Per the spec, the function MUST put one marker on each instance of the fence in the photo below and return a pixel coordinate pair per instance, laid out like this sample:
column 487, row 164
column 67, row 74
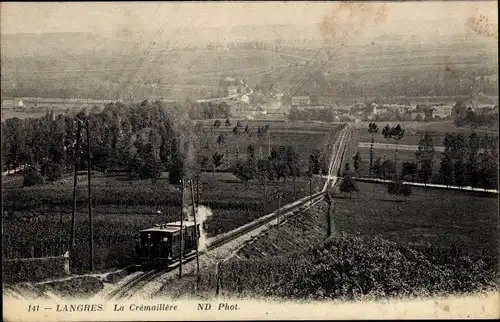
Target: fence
column 38, row 250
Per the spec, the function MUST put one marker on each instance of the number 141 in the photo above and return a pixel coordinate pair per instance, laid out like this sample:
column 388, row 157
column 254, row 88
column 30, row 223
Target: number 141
column 33, row 308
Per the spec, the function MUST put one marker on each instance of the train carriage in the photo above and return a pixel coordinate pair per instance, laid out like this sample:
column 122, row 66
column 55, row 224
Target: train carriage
column 159, row 246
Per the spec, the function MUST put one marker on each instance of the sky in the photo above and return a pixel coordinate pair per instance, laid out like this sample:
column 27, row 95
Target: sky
column 38, row 17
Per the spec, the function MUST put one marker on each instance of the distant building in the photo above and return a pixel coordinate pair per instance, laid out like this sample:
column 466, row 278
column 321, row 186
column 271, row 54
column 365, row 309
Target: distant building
column 8, row 103
column 380, row 109
column 417, row 116
column 231, row 90
column 229, row 80
column 442, row 111
column 310, row 107
column 300, row 100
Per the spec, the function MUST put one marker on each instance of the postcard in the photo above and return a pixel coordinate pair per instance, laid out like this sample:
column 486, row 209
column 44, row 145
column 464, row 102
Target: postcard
column 263, row 160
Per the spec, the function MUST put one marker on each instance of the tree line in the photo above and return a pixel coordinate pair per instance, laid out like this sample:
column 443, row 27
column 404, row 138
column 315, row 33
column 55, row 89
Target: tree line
column 467, row 160
column 141, row 139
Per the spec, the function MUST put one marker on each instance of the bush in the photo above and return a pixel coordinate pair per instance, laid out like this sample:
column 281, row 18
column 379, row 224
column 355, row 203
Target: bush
column 350, row 267
column 32, row 177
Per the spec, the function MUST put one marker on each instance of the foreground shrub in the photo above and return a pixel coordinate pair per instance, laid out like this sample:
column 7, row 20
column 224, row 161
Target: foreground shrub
column 353, row 267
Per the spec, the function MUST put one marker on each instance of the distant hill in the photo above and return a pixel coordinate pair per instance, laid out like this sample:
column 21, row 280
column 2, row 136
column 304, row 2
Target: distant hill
column 57, row 44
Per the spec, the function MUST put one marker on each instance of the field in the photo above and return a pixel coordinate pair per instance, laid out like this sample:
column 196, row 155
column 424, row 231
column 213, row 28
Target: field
column 40, row 216
column 304, row 137
column 440, row 217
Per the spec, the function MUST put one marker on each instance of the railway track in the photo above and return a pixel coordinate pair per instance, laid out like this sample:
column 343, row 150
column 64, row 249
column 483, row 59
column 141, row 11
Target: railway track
column 133, row 285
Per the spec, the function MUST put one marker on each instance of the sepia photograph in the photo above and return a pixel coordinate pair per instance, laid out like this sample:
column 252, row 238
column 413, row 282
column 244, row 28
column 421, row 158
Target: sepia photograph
column 249, row 160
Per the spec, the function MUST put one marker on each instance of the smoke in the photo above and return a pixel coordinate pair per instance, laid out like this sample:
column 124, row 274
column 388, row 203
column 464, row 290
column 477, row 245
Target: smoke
column 202, row 214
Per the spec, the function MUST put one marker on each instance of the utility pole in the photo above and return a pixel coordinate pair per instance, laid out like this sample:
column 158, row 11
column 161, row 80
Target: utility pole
column 181, row 241
column 265, row 189
column 77, row 152
column 310, row 190
column 91, row 236
column 198, row 190
column 268, row 143
column 196, row 236
column 279, row 202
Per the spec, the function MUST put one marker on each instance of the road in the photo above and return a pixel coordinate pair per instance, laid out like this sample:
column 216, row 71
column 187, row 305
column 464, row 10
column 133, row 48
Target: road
column 401, row 147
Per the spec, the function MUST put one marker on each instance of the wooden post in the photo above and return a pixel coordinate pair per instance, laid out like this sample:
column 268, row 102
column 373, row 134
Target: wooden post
column 278, row 214
column 217, row 277
column 196, row 237
column 265, row 190
column 181, row 241
column 198, row 190
column 77, row 151
column 91, row 230
column 310, row 190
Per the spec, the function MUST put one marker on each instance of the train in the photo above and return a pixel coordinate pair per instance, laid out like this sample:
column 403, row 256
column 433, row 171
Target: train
column 159, row 246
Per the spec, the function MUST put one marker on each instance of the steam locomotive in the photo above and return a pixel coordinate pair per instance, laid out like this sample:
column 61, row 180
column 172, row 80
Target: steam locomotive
column 159, row 246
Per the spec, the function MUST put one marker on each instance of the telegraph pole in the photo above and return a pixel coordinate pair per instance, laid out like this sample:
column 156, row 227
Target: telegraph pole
column 198, row 190
column 310, row 190
column 91, row 236
column 181, row 248
column 77, row 152
column 279, row 202
column 196, row 236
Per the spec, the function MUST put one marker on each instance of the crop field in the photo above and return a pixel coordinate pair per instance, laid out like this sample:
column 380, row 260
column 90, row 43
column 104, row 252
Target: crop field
column 303, row 137
column 40, row 216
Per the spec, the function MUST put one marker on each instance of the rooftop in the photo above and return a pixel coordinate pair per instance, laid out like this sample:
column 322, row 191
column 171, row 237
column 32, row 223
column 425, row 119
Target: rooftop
column 169, row 227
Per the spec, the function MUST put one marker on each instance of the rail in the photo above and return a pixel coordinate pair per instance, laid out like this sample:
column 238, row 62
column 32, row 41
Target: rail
column 289, row 209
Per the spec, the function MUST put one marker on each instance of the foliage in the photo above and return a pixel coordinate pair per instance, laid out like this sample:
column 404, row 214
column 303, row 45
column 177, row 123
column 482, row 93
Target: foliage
column 397, row 188
column 32, row 177
column 315, row 162
column 347, row 185
column 350, row 267
column 372, row 129
column 141, row 137
column 208, row 110
column 409, row 168
column 356, row 160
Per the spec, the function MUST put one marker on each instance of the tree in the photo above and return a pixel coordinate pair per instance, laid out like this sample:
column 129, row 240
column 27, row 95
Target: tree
column 472, row 167
column 247, row 130
column 406, row 190
column 356, row 160
column 459, row 173
column 347, row 185
column 396, row 133
column 446, row 171
column 388, row 169
column 216, row 124
column 372, row 129
column 425, row 156
column 228, row 122
column 315, row 162
column 32, row 177
column 377, row 167
column 409, row 168
column 425, row 171
column 236, row 132
column 176, row 173
column 347, row 168
column 242, row 172
column 239, row 124
column 216, row 161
